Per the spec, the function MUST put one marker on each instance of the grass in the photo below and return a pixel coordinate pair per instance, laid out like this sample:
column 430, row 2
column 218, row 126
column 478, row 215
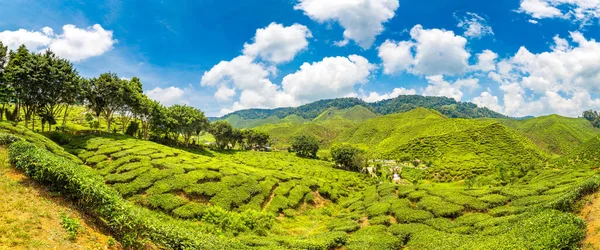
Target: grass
column 31, row 216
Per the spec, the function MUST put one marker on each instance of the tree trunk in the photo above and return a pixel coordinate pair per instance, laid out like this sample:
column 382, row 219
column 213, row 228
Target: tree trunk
column 65, row 116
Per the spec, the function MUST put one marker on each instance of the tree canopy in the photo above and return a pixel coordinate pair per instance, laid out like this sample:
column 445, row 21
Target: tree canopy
column 305, row 146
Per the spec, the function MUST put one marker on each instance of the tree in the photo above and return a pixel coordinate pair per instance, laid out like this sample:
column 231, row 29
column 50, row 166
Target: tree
column 305, row 146
column 5, row 89
column 106, row 95
column 348, row 157
column 59, row 85
column 132, row 95
column 222, row 131
column 187, row 121
column 593, row 117
column 19, row 75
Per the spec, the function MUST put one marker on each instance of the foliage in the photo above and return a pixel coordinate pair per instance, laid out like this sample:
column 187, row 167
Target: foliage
column 71, row 225
column 305, row 146
column 593, row 117
column 348, row 157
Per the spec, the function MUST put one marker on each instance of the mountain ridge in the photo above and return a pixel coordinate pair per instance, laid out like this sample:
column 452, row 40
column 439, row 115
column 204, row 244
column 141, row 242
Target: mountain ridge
column 447, row 106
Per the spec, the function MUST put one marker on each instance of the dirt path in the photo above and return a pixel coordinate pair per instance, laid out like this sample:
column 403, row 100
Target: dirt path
column 30, row 216
column 591, row 214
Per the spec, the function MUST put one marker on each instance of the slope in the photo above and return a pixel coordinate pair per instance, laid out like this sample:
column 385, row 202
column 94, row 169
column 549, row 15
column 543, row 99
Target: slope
column 447, row 106
column 455, row 148
column 325, row 127
column 555, row 134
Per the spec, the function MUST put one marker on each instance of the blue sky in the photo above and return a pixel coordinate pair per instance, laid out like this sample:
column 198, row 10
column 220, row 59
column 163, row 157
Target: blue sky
column 529, row 57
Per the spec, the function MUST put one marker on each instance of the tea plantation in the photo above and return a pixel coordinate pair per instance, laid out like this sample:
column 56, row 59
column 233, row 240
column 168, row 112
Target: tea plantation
column 177, row 199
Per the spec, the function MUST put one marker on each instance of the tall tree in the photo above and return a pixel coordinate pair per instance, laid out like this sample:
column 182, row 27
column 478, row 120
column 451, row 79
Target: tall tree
column 187, row 121
column 59, row 84
column 105, row 95
column 5, row 89
column 222, row 131
column 132, row 95
column 19, row 75
column 305, row 146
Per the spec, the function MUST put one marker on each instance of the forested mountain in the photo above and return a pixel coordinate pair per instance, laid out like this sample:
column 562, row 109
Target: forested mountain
column 447, row 106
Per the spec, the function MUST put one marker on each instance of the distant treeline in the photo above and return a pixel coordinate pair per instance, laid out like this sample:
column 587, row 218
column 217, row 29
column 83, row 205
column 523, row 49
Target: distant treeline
column 447, row 106
column 43, row 85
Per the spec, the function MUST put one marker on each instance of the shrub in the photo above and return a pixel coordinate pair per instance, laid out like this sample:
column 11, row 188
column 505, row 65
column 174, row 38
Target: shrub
column 166, row 202
column 305, row 146
column 380, row 220
column 71, row 225
column 494, row 199
column 58, row 137
column 191, row 210
column 373, row 237
column 343, row 224
column 377, row 209
column 128, row 222
column 7, row 139
column 409, row 215
column 348, row 157
column 439, row 207
column 132, row 128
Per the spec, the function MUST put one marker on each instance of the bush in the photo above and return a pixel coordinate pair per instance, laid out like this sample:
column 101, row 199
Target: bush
column 494, row 199
column 348, row 157
column 440, row 207
column 378, row 208
column 305, row 146
column 132, row 128
column 373, row 237
column 59, row 138
column 343, row 224
column 131, row 224
column 71, row 225
column 7, row 139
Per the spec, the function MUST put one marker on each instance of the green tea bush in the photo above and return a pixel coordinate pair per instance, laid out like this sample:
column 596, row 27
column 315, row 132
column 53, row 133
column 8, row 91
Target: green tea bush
column 380, row 220
column 166, row 202
column 409, row 215
column 378, row 208
column 343, row 224
column 191, row 210
column 132, row 225
column 373, row 237
column 494, row 199
column 7, row 139
column 439, row 207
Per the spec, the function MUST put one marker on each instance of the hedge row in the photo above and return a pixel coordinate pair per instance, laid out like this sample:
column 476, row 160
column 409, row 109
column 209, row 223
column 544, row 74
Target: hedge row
column 131, row 224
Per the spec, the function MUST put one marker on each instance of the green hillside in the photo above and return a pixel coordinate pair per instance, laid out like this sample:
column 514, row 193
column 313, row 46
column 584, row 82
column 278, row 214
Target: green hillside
column 455, row 148
column 555, row 134
column 247, row 200
column 325, row 127
column 447, row 106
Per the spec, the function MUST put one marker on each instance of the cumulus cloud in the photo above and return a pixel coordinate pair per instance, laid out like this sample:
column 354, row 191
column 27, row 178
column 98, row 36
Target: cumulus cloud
column 375, row 97
column 475, row 26
column 362, row 20
column 396, row 57
column 486, row 61
column 584, row 12
column 167, row 96
column 430, row 52
column 278, row 44
column 440, row 87
column 74, row 43
column 329, row 78
column 486, row 99
column 562, row 80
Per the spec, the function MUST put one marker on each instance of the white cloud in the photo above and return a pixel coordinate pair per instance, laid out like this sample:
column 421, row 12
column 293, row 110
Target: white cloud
column 74, row 43
column 167, row 96
column 329, row 78
column 375, row 97
column 533, row 21
column 475, row 26
column 224, row 93
column 278, row 44
column 485, row 99
column 430, row 52
column 439, row 52
column 439, row 87
column 362, row 20
column 396, row 57
column 539, row 9
column 34, row 40
column 585, row 12
column 486, row 61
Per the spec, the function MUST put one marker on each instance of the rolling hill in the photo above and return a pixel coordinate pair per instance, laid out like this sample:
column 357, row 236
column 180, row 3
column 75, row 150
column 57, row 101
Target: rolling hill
column 456, row 148
column 447, row 106
column 555, row 134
